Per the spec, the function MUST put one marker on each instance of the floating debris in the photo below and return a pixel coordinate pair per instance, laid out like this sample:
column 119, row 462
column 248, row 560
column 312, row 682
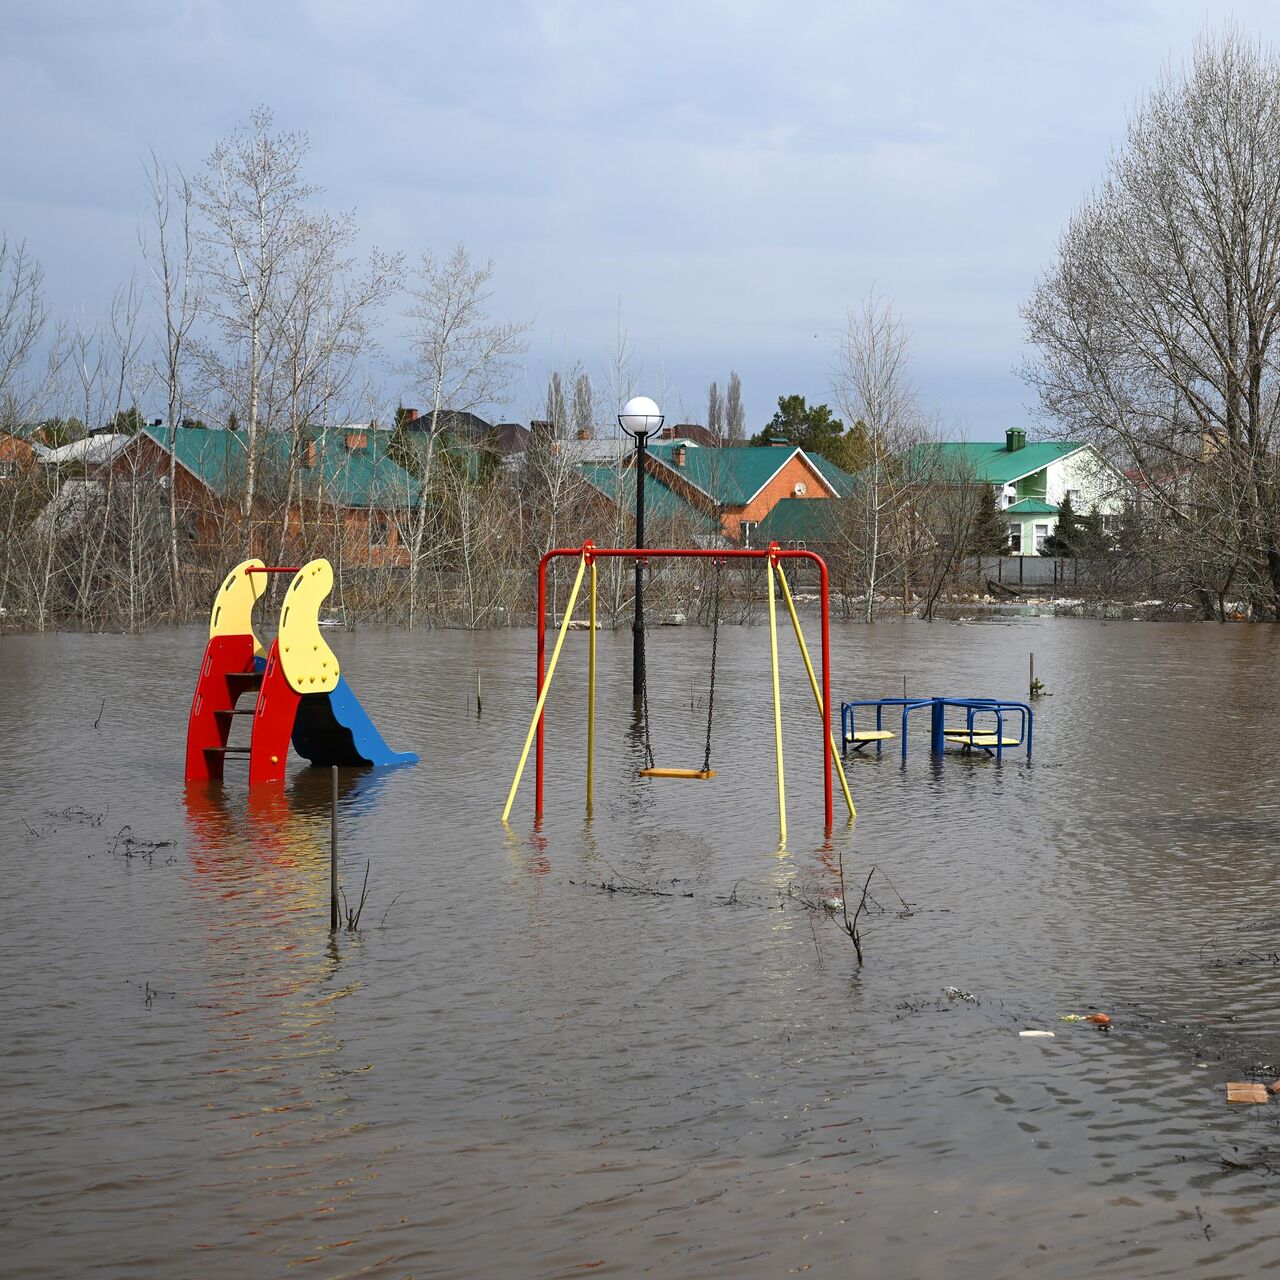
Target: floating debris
column 1037, row 1035
column 1247, row 1092
column 954, row 993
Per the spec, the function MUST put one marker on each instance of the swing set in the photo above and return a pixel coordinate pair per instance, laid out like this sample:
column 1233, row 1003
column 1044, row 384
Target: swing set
column 587, row 555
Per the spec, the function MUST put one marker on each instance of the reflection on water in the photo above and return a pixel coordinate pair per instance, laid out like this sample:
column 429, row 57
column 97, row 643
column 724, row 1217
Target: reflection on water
column 617, row 1042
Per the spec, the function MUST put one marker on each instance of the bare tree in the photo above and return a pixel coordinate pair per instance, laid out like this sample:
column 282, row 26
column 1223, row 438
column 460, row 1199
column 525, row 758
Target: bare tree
column 715, row 411
column 251, row 195
column 1157, row 327
column 169, row 257
column 22, row 319
column 584, row 409
column 734, row 417
column 557, row 414
column 461, row 360
column 871, row 384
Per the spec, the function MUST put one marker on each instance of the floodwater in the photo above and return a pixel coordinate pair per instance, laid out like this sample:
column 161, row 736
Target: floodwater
column 512, row 1071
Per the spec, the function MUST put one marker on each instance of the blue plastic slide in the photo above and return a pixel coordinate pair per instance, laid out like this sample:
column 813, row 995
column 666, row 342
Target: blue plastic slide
column 333, row 728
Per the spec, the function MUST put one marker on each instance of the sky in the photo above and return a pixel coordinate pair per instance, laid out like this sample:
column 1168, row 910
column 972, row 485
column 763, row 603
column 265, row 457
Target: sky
column 727, row 179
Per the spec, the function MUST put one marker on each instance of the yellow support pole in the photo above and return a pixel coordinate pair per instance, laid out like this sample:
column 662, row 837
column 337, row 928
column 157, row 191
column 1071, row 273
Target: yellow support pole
column 813, row 684
column 777, row 707
column 591, row 687
column 546, row 687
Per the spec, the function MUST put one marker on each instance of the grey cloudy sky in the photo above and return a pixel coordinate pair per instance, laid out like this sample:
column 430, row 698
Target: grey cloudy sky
column 735, row 175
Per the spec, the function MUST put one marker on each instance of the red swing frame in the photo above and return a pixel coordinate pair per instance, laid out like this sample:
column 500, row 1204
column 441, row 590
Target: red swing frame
column 773, row 553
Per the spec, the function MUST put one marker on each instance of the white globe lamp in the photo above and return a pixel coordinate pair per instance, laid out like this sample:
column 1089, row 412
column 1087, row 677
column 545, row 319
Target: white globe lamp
column 640, row 416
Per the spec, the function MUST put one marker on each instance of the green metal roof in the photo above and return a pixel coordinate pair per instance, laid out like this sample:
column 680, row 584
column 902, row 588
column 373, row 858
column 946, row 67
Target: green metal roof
column 660, row 503
column 991, row 460
column 1030, row 507
column 732, row 477
column 346, row 477
column 800, row 520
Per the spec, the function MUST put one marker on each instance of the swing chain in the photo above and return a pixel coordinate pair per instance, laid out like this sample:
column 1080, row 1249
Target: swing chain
column 711, row 686
column 644, row 696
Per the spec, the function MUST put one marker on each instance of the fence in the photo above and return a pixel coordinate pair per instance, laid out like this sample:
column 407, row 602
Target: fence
column 1114, row 575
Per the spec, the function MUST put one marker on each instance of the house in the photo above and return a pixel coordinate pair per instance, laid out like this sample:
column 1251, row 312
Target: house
column 728, row 490
column 18, row 454
column 506, row 439
column 342, row 473
column 1031, row 480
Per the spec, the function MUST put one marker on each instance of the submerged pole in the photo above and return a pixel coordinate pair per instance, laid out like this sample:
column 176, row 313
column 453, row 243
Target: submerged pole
column 333, row 852
column 1031, row 683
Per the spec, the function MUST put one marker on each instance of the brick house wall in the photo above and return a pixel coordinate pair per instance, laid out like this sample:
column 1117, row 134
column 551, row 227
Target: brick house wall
column 16, row 455
column 798, row 470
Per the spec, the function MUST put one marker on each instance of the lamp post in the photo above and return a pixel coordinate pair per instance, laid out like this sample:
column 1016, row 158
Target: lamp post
column 640, row 418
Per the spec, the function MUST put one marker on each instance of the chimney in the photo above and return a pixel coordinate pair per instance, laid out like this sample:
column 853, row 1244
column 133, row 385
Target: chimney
column 408, row 416
column 678, row 454
column 584, row 433
column 356, row 440
column 309, row 457
column 157, row 422
column 1014, row 439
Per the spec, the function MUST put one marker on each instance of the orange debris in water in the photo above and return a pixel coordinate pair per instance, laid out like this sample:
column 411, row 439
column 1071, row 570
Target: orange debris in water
column 1102, row 1019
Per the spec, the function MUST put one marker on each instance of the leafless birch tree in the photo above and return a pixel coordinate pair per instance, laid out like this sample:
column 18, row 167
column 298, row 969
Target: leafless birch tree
column 251, row 195
column 871, row 384
column 461, row 360
column 169, row 256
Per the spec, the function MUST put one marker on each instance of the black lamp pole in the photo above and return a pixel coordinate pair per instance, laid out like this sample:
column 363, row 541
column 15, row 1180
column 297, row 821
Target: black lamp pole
column 639, row 418
column 637, row 627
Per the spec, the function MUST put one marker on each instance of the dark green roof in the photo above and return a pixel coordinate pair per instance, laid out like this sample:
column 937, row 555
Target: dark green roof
column 346, row 477
column 800, row 520
column 1030, row 507
column 990, row 460
column 732, row 477
column 660, row 503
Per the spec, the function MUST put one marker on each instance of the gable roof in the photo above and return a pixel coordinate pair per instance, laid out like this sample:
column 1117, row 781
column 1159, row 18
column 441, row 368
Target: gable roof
column 1030, row 507
column 800, row 520
column 348, row 477
column 732, row 477
column 990, row 460
column 90, row 451
column 660, row 502
column 505, row 438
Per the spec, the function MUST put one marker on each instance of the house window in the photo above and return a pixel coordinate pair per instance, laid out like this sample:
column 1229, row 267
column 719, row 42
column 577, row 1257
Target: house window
column 747, row 530
column 8, row 468
column 1042, row 533
column 1111, row 524
column 379, row 531
column 1010, row 495
column 1073, row 496
column 1015, row 538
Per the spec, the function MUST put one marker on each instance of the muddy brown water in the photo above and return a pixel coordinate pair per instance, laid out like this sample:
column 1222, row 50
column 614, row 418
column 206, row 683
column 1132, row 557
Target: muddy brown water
column 509, row 1071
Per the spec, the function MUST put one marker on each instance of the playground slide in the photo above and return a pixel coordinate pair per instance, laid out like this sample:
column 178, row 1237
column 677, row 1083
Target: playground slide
column 334, row 728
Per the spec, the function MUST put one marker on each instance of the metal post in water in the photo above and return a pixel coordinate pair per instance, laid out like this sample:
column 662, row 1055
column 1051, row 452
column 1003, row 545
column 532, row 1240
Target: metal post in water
column 478, row 703
column 333, row 853
column 1031, row 686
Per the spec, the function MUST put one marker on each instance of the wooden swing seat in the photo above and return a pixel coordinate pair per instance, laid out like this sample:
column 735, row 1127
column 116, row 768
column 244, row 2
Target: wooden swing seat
column 700, row 775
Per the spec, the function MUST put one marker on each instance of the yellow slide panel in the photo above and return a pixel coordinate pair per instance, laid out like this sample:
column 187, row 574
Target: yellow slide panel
column 309, row 665
column 232, row 612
